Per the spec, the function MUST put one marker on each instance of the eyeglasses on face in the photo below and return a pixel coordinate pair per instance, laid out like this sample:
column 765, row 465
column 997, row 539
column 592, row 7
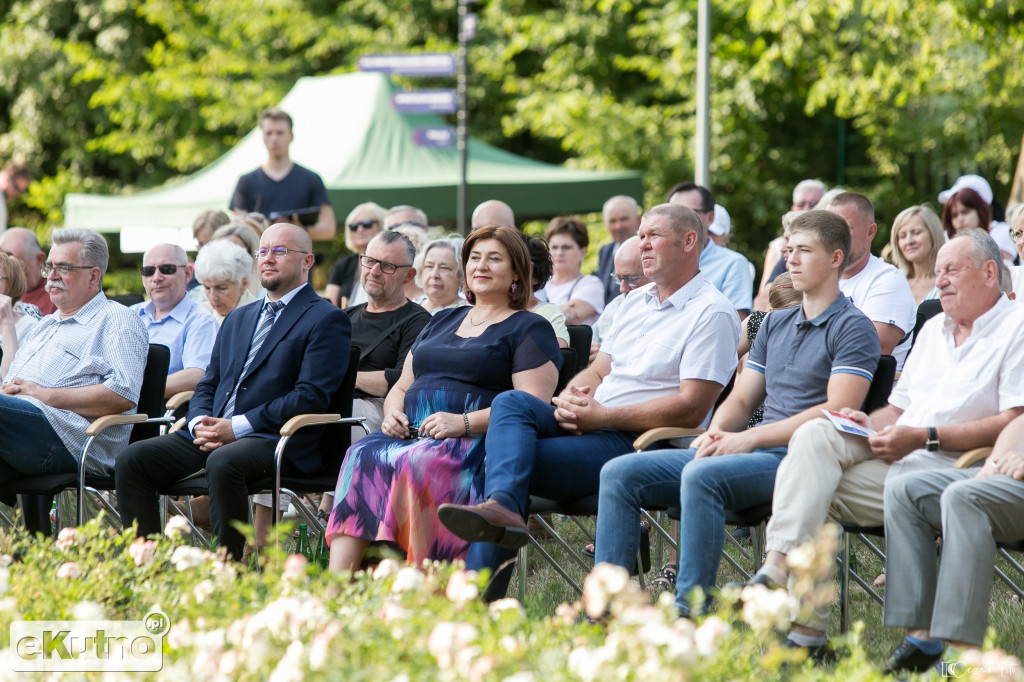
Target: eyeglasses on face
column 165, row 269
column 385, row 267
column 63, row 268
column 357, row 225
column 276, row 251
column 804, row 204
column 631, row 281
column 1016, row 235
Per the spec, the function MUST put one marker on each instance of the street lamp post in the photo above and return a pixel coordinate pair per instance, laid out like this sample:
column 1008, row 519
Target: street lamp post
column 702, row 138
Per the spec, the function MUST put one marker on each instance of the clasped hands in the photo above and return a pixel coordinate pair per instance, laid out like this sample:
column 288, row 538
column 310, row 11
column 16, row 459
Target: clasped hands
column 212, row 432
column 577, row 412
column 438, row 426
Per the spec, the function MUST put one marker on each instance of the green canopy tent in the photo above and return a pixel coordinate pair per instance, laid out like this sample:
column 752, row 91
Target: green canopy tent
column 347, row 131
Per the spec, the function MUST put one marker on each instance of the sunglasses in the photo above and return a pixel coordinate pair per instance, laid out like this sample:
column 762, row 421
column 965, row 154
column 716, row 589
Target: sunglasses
column 361, row 225
column 165, row 269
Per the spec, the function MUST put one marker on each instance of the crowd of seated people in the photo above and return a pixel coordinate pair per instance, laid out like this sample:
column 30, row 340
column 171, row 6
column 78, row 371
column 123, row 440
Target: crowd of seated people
column 457, row 448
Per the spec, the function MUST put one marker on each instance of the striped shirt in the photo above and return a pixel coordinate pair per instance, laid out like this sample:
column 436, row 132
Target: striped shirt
column 103, row 343
column 798, row 356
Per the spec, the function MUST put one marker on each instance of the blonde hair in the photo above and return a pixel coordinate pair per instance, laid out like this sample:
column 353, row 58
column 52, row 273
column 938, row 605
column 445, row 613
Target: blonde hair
column 932, row 223
column 376, row 212
column 15, row 276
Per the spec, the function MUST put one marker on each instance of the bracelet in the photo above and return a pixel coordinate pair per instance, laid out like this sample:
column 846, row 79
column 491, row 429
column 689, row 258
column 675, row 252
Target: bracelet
column 465, row 418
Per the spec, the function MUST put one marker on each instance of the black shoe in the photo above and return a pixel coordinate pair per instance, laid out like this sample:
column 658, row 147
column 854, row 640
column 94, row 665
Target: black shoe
column 818, row 655
column 741, row 533
column 757, row 579
column 908, row 658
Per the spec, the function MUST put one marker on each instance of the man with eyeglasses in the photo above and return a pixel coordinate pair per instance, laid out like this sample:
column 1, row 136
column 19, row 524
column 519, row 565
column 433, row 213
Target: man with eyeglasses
column 621, row 216
column 275, row 358
column 281, row 188
column 628, row 275
column 83, row 362
column 173, row 319
column 14, row 181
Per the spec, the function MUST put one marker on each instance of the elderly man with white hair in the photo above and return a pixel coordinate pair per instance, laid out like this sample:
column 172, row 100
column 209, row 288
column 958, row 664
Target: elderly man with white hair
column 223, row 268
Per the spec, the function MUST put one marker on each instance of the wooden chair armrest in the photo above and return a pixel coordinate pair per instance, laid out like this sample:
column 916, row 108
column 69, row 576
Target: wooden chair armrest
column 114, row 420
column 177, row 426
column 652, row 436
column 301, row 421
column 971, row 457
column 179, row 399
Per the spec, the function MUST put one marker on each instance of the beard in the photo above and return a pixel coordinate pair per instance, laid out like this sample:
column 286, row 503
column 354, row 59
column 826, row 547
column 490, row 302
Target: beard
column 271, row 283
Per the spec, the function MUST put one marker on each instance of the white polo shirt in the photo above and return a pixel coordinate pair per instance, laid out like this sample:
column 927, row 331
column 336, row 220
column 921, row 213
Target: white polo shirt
column 654, row 345
column 881, row 292
column 942, row 384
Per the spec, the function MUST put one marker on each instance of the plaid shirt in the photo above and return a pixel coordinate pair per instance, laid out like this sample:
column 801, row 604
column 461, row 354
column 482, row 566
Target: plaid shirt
column 103, row 343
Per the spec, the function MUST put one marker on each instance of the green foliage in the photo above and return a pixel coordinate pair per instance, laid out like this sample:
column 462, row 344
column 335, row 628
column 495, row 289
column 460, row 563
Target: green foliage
column 891, row 97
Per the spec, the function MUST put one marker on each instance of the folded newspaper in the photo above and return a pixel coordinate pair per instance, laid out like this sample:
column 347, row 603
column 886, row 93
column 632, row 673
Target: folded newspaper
column 847, row 425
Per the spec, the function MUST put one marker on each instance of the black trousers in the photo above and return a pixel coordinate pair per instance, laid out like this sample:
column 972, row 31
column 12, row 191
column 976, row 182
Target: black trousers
column 151, row 465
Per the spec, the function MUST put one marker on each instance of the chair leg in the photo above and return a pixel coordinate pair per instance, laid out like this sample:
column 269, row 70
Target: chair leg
column 523, row 558
column 844, row 585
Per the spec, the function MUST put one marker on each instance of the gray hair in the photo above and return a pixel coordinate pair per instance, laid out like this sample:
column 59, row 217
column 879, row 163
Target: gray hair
column 405, row 207
column 223, row 261
column 453, row 244
column 1015, row 215
column 245, row 234
column 94, row 247
column 390, row 237
column 816, row 185
column 983, row 248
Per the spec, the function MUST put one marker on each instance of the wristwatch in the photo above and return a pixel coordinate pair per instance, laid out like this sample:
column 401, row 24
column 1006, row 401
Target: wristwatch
column 932, row 443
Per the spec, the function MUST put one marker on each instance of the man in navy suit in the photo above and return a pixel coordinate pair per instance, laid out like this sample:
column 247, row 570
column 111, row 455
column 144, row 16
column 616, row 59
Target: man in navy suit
column 622, row 218
column 273, row 359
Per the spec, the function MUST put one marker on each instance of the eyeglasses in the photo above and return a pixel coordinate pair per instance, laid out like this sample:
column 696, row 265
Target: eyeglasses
column 165, row 269
column 63, row 268
column 361, row 225
column 385, row 267
column 804, row 204
column 1016, row 235
column 277, row 251
column 631, row 281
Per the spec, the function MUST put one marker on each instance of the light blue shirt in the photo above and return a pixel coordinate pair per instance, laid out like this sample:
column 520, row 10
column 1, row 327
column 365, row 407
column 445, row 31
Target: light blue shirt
column 188, row 331
column 730, row 273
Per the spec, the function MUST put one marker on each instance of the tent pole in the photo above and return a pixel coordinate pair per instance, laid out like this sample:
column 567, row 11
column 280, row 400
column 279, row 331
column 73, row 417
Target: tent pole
column 462, row 118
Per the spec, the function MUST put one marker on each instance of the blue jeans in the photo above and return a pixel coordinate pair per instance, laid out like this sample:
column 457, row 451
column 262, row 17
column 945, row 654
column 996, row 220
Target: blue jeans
column 703, row 488
column 528, row 452
column 28, row 444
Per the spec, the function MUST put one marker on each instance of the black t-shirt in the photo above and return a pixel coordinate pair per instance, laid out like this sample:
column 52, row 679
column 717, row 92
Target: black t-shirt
column 301, row 188
column 389, row 354
column 343, row 274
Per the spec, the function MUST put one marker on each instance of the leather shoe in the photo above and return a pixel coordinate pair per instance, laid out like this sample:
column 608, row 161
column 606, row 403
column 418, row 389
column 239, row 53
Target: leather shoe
column 816, row 654
column 908, row 658
column 485, row 522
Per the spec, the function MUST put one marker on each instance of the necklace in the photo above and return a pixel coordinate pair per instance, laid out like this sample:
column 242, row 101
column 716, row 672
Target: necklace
column 477, row 324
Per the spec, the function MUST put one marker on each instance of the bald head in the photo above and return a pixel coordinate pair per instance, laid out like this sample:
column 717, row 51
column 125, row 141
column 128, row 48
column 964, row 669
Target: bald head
column 300, row 236
column 493, row 212
column 628, row 266
column 23, row 245
column 622, row 217
column 280, row 273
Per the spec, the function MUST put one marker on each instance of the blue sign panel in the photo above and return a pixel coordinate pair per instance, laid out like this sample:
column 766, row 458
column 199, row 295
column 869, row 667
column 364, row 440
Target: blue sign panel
column 409, row 64
column 437, row 136
column 440, row 101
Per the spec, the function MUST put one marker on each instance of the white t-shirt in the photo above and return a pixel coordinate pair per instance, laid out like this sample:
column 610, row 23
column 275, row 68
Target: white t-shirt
column 882, row 293
column 587, row 289
column 942, row 384
column 654, row 345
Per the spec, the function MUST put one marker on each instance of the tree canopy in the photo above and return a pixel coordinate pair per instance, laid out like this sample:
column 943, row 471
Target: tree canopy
column 894, row 98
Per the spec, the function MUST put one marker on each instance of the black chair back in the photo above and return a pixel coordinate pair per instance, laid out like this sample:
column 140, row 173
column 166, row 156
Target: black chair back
column 336, row 438
column 127, row 300
column 580, row 338
column 151, row 395
column 568, row 370
column 927, row 310
column 881, row 385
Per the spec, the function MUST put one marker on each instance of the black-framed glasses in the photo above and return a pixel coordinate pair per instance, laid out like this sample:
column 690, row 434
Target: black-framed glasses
column 63, row 268
column 1016, row 235
column 277, row 251
column 357, row 225
column 165, row 269
column 385, row 267
column 631, row 281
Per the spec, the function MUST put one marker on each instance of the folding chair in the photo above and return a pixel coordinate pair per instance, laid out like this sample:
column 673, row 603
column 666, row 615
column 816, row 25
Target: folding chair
column 580, row 338
column 151, row 398
column 334, row 443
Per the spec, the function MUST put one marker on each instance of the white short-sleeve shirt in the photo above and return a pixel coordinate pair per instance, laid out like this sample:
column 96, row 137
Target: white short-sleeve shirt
column 944, row 384
column 587, row 289
column 655, row 345
column 882, row 293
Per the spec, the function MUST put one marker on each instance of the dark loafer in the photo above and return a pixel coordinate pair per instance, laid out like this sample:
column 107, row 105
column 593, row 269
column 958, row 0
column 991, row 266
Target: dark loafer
column 485, row 522
column 908, row 658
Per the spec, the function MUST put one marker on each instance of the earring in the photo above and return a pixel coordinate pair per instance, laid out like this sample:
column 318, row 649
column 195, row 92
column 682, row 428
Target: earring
column 515, row 292
column 470, row 296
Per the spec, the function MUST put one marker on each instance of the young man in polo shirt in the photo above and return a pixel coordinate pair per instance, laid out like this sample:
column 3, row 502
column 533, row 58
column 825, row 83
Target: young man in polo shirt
column 822, row 354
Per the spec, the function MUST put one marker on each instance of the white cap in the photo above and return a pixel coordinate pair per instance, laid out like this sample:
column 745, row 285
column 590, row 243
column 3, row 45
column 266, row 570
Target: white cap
column 975, row 182
column 722, row 222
